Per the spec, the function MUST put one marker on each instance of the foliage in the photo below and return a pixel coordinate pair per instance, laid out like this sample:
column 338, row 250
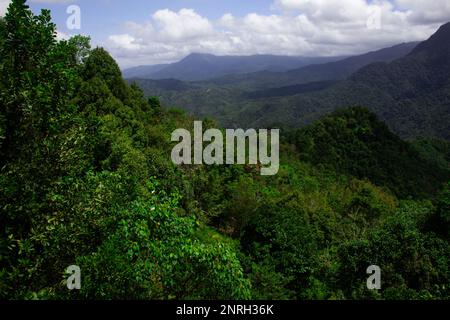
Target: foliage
column 415, row 263
column 86, row 179
column 354, row 142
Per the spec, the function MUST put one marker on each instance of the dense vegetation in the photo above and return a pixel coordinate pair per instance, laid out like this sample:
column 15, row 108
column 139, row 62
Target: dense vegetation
column 86, row 179
column 354, row 142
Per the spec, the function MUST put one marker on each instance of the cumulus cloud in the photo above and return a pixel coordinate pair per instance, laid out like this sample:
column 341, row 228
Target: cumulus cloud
column 185, row 24
column 296, row 27
column 327, row 10
column 424, row 12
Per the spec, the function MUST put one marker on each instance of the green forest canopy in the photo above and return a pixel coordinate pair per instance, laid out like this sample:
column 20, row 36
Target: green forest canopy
column 86, row 179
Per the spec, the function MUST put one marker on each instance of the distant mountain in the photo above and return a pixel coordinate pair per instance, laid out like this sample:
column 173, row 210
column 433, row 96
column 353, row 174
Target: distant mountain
column 142, row 71
column 336, row 70
column 411, row 93
column 196, row 67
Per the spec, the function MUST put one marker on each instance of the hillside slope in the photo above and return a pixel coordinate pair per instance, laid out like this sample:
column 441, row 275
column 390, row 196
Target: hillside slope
column 86, row 179
column 298, row 97
column 336, row 70
column 354, row 142
column 411, row 94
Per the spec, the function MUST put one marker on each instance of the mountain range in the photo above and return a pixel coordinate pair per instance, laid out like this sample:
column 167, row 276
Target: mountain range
column 87, row 180
column 197, row 66
column 407, row 86
column 335, row 70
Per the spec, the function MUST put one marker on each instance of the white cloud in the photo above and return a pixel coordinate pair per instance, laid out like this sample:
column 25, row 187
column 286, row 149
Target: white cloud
column 420, row 11
column 3, row 6
column 125, row 41
column 327, row 10
column 182, row 25
column 297, row 27
column 62, row 35
column 227, row 20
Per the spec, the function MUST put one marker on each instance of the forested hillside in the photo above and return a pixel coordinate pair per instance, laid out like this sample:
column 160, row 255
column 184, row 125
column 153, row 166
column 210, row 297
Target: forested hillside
column 86, row 179
column 410, row 93
column 354, row 142
column 333, row 70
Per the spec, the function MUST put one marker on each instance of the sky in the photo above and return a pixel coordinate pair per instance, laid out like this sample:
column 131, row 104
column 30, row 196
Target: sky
column 147, row 32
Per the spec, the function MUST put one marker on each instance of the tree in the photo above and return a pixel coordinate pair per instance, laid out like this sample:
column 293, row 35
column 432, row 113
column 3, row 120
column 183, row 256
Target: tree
column 443, row 211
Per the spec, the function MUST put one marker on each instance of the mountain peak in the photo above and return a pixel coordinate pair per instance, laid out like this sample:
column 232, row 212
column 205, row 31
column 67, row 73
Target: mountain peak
column 438, row 43
column 198, row 56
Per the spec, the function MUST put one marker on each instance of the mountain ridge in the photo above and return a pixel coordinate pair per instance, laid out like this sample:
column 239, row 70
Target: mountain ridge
column 336, row 70
column 201, row 67
column 411, row 94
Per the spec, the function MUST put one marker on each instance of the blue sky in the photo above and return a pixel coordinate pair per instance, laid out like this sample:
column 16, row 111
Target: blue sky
column 100, row 18
column 141, row 32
